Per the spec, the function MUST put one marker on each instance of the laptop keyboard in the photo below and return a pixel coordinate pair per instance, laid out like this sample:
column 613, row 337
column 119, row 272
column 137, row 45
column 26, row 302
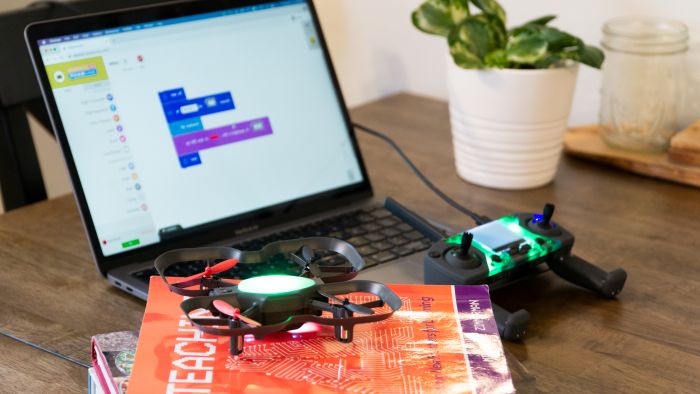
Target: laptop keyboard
column 378, row 236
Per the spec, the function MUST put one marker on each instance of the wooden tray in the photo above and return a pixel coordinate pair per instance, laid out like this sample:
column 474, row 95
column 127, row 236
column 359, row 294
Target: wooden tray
column 586, row 142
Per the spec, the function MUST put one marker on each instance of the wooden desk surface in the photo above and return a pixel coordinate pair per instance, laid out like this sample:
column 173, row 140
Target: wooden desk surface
column 647, row 340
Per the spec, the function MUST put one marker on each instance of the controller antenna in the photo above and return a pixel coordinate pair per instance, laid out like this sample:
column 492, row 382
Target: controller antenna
column 465, row 244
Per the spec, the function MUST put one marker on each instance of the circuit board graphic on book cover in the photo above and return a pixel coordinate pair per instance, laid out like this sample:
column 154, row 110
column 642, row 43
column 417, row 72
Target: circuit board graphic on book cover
column 443, row 340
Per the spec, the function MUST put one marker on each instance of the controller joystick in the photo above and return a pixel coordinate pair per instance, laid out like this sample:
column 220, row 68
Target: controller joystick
column 547, row 214
column 542, row 223
column 465, row 244
column 461, row 257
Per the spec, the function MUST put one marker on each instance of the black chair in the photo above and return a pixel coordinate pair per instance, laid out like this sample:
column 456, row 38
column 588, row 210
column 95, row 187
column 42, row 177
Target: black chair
column 21, row 182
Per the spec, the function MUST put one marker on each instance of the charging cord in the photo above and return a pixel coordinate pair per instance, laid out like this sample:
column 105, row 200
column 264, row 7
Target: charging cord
column 479, row 219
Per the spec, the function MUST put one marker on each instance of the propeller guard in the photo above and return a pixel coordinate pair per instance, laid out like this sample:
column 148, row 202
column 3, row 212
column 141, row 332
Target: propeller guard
column 343, row 320
column 287, row 248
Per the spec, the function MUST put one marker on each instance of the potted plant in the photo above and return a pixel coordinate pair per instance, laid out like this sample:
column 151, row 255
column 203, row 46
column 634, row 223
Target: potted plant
column 510, row 90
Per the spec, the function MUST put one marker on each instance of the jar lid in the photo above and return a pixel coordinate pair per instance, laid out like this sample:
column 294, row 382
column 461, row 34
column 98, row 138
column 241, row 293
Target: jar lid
column 645, row 35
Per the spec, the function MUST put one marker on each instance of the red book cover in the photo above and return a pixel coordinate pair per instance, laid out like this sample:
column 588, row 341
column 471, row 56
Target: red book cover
column 443, row 340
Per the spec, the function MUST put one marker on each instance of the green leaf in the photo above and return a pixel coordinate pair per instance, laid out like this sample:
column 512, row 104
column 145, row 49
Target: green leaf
column 480, row 34
column 491, row 7
column 440, row 16
column 464, row 57
column 474, row 38
column 591, row 56
column 478, row 41
column 523, row 30
column 498, row 29
column 541, row 21
column 558, row 40
column 548, row 61
column 532, row 26
column 556, row 59
column 526, row 49
column 496, row 59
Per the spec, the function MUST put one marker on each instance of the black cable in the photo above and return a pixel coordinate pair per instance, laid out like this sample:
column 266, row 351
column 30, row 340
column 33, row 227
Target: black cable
column 454, row 204
column 43, row 349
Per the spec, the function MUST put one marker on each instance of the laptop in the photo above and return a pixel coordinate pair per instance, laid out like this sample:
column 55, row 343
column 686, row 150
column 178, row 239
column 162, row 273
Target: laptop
column 210, row 123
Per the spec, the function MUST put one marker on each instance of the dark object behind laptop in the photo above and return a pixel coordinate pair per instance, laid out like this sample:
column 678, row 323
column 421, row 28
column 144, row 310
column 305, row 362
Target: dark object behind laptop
column 21, row 182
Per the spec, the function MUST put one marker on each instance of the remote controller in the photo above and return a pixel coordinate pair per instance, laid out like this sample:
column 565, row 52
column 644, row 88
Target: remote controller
column 513, row 247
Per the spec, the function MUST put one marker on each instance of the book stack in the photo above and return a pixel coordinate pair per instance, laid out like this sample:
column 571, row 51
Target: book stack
column 443, row 340
column 112, row 362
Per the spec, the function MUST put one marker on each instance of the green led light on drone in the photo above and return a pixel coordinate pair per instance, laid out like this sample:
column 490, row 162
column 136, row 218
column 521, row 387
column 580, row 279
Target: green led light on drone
column 275, row 284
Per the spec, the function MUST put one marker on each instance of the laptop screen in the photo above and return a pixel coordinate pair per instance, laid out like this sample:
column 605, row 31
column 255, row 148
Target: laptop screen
column 180, row 122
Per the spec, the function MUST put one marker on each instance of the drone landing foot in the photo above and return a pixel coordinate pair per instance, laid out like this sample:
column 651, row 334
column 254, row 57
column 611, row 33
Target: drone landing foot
column 343, row 333
column 235, row 342
column 236, row 345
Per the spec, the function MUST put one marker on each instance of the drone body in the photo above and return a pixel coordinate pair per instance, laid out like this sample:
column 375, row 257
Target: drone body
column 263, row 305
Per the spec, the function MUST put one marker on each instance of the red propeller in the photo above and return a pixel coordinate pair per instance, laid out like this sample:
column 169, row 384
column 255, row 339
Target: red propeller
column 229, row 310
column 215, row 269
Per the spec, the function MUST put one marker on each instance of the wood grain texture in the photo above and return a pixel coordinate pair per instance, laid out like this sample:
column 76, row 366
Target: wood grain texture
column 586, row 142
column 27, row 370
column 647, row 340
column 685, row 146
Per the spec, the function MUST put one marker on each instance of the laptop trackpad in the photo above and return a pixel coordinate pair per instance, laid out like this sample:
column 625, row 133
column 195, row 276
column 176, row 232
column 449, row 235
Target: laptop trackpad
column 406, row 270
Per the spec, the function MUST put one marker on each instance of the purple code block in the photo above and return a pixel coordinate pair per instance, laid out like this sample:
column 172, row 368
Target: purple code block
column 197, row 141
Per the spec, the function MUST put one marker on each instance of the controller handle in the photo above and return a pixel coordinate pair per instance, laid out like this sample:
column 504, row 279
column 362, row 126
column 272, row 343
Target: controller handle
column 580, row 272
column 511, row 326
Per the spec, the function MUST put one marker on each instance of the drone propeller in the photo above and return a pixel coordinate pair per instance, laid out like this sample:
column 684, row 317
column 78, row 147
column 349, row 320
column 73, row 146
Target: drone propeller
column 303, row 257
column 229, row 310
column 215, row 269
column 355, row 308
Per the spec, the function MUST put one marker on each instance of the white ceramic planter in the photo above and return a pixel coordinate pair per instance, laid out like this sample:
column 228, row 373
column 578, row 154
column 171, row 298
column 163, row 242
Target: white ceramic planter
column 508, row 126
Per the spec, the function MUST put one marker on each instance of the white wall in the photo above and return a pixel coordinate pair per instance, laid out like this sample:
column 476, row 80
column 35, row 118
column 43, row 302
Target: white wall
column 377, row 52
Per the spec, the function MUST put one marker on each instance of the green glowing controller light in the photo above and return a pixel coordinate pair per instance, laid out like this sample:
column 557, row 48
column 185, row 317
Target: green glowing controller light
column 275, row 284
column 505, row 261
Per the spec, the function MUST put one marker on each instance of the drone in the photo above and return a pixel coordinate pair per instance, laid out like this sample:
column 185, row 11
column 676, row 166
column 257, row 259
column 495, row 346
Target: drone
column 262, row 305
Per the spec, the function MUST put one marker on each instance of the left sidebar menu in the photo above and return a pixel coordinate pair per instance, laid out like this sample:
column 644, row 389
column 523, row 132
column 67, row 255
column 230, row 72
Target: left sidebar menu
column 98, row 135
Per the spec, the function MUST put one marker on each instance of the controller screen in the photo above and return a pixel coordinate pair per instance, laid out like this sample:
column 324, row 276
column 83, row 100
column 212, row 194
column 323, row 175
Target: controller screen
column 495, row 235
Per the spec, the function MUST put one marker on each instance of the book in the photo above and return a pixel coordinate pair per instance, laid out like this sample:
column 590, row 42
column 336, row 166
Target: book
column 112, row 359
column 94, row 386
column 444, row 339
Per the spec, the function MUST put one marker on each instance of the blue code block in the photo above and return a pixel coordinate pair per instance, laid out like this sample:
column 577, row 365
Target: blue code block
column 186, row 126
column 190, row 160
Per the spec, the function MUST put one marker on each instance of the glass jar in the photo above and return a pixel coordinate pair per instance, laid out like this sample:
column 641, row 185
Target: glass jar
column 691, row 111
column 643, row 82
